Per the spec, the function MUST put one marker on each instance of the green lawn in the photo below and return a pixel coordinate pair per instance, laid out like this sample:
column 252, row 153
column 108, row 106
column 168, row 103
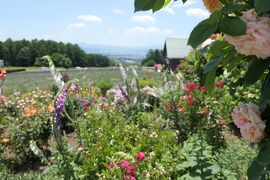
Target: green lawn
column 30, row 80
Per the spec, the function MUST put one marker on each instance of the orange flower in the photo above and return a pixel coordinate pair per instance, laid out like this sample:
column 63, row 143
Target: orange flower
column 50, row 108
column 212, row 5
column 30, row 112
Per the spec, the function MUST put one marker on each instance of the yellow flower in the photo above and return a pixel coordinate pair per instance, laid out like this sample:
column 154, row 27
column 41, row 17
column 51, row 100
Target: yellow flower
column 212, row 5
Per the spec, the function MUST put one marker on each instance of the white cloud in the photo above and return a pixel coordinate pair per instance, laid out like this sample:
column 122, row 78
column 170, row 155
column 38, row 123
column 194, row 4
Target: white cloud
column 76, row 26
column 169, row 10
column 180, row 4
column 118, row 11
column 148, row 30
column 197, row 12
column 90, row 18
column 143, row 19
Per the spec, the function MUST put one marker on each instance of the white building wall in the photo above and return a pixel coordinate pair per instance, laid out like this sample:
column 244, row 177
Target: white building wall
column 1, row 63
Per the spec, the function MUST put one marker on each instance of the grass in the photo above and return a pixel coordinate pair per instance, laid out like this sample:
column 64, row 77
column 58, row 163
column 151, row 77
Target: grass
column 31, row 80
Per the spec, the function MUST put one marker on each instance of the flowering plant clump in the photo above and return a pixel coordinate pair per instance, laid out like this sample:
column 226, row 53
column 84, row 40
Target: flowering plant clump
column 127, row 167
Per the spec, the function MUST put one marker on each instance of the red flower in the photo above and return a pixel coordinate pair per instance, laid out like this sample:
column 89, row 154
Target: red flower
column 3, row 74
column 86, row 106
column 202, row 88
column 169, row 106
column 190, row 100
column 190, row 87
column 182, row 110
column 220, row 84
column 140, row 156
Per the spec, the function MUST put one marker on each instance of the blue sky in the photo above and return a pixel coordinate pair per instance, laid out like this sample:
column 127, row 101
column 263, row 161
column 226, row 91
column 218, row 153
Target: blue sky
column 106, row 22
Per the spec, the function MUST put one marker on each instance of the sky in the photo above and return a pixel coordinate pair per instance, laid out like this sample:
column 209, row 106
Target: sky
column 103, row 22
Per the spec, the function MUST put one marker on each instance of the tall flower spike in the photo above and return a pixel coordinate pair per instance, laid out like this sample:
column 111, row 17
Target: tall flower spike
column 123, row 73
column 212, row 5
column 56, row 75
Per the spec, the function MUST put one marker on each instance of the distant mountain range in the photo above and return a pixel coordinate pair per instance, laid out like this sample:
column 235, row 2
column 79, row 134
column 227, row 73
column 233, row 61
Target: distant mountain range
column 128, row 55
column 117, row 50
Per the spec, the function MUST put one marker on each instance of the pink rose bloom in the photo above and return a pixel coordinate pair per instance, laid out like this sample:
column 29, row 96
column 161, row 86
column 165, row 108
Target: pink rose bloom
column 140, row 156
column 247, row 118
column 256, row 41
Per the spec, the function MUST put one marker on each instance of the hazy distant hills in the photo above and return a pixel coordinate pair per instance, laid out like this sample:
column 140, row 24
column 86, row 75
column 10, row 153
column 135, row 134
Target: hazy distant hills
column 123, row 54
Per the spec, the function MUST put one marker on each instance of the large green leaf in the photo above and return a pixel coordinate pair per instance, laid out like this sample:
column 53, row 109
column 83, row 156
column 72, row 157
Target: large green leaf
column 255, row 171
column 158, row 5
column 210, row 80
column 235, row 7
column 262, row 5
column 204, row 30
column 255, row 71
column 144, row 5
column 263, row 157
column 212, row 64
column 233, row 26
column 217, row 48
column 266, row 90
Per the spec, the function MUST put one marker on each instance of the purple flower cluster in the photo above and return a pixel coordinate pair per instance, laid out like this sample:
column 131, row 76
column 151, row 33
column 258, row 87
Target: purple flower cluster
column 124, row 94
column 59, row 107
column 60, row 103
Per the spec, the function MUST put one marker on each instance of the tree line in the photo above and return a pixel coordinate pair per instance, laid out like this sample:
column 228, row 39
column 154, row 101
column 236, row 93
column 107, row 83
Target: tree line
column 28, row 53
column 154, row 56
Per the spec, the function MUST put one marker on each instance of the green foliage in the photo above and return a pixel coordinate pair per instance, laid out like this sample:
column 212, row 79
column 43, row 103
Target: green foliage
column 232, row 26
column 97, row 60
column 107, row 133
column 198, row 162
column 262, row 5
column 154, row 57
column 14, row 69
column 145, row 5
column 204, row 30
column 104, row 86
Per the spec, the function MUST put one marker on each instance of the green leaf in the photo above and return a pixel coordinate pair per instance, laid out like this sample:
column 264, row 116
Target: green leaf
column 144, row 5
column 158, row 5
column 210, row 80
column 233, row 26
column 217, row 48
column 256, row 69
column 266, row 89
column 255, row 171
column 204, row 30
column 262, row 5
column 212, row 64
column 263, row 157
column 235, row 7
column 166, row 3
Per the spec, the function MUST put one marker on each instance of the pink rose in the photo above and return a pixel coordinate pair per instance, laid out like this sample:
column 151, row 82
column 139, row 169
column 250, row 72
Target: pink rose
column 256, row 41
column 247, row 118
